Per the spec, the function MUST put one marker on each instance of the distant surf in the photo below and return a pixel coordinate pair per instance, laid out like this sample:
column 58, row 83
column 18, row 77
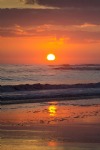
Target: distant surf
column 84, row 67
column 49, row 74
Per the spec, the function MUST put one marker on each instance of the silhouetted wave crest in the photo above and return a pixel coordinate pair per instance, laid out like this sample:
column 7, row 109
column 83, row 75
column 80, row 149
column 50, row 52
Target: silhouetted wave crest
column 89, row 67
column 14, row 94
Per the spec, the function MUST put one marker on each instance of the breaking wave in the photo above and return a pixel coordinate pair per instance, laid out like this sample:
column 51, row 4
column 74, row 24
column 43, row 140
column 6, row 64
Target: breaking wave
column 14, row 94
column 38, row 86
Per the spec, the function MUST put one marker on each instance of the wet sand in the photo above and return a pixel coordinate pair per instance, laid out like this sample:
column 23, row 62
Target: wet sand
column 72, row 125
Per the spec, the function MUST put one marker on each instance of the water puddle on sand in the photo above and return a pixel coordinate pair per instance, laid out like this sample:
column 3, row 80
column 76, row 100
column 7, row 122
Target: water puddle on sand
column 56, row 113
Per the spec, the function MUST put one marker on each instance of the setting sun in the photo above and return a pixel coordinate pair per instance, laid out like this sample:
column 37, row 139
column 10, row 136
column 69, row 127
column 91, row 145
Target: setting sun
column 51, row 57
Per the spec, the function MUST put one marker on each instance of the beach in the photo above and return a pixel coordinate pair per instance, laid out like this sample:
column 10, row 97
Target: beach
column 57, row 125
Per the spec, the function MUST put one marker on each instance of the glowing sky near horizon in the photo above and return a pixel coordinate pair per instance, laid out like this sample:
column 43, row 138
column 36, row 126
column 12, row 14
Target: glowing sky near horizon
column 31, row 29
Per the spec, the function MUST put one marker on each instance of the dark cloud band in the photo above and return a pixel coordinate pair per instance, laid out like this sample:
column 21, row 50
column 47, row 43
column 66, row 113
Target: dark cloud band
column 67, row 3
column 28, row 17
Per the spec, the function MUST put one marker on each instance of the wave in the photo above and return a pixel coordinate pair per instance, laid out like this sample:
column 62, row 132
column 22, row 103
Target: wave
column 14, row 94
column 87, row 67
column 38, row 86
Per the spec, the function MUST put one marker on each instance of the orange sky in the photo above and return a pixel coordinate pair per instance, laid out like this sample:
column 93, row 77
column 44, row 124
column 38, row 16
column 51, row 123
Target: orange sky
column 34, row 50
column 30, row 31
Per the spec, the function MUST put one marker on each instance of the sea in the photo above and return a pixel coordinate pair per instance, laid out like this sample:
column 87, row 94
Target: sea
column 50, row 107
column 33, row 83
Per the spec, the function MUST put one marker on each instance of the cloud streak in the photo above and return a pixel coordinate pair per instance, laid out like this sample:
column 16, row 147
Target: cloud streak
column 72, row 34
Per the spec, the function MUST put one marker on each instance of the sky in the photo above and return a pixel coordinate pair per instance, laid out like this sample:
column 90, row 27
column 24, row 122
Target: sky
column 31, row 29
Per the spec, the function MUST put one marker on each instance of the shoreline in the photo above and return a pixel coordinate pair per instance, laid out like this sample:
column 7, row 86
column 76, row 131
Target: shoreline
column 51, row 125
column 40, row 100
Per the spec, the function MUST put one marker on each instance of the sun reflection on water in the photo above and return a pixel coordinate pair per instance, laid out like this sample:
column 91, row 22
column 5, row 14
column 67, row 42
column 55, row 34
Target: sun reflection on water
column 52, row 143
column 52, row 110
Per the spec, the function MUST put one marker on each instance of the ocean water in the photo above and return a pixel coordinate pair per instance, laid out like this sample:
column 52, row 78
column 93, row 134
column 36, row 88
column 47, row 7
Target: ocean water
column 20, row 82
column 67, row 115
column 49, row 74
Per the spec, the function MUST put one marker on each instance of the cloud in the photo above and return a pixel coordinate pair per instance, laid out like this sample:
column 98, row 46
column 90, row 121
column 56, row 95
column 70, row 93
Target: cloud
column 18, row 4
column 67, row 3
column 51, row 4
column 30, row 1
column 29, row 17
column 73, row 24
column 71, row 33
column 14, row 31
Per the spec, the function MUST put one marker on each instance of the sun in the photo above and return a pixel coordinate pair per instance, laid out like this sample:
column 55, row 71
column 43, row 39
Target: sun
column 51, row 57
